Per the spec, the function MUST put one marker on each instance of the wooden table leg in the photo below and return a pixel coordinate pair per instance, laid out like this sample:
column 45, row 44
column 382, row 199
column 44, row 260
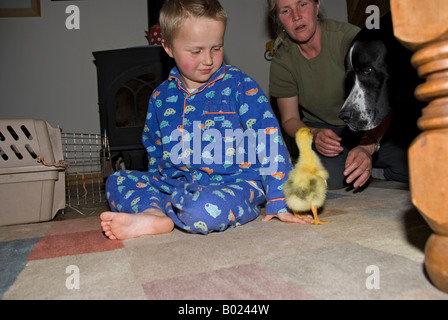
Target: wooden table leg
column 424, row 29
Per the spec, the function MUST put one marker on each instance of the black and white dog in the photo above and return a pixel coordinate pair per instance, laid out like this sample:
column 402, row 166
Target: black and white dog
column 380, row 79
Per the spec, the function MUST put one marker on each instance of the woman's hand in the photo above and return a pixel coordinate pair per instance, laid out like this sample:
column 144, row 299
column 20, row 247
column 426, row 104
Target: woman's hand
column 359, row 165
column 287, row 217
column 327, row 142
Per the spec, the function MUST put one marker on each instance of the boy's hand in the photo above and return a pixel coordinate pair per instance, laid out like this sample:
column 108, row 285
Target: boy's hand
column 287, row 217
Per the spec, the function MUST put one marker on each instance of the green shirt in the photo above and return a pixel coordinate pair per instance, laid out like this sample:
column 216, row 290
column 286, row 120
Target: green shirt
column 318, row 82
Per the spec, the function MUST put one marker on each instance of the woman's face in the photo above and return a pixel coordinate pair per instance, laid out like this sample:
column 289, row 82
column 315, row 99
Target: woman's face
column 298, row 18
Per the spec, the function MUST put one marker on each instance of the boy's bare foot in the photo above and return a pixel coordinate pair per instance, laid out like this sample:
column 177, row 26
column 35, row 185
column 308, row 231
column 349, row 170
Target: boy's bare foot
column 118, row 225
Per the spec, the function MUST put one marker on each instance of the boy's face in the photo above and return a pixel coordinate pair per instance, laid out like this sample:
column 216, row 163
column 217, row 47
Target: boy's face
column 198, row 50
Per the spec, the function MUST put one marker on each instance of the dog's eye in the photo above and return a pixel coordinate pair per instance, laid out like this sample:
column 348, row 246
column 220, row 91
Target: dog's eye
column 366, row 71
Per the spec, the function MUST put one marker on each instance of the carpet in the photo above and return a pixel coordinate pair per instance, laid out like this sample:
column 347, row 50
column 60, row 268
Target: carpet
column 373, row 249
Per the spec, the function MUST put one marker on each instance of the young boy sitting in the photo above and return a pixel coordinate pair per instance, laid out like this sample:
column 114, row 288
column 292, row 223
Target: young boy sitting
column 214, row 147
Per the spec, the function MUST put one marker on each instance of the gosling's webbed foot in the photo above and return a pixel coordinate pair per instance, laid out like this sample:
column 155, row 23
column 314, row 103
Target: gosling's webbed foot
column 301, row 216
column 317, row 222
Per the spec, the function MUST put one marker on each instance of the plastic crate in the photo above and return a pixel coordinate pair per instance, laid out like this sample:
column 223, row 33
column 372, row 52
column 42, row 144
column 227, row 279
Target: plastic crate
column 30, row 191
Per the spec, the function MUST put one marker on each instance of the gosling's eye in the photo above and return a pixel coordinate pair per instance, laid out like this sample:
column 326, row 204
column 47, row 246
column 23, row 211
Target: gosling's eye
column 366, row 71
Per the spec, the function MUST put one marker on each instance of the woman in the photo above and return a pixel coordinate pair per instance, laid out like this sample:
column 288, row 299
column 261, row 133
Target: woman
column 307, row 79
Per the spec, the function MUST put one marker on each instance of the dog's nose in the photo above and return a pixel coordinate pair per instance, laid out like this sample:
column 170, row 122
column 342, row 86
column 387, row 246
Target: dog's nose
column 345, row 115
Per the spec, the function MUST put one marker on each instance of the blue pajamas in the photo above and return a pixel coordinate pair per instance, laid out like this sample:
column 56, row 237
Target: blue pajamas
column 215, row 155
column 194, row 208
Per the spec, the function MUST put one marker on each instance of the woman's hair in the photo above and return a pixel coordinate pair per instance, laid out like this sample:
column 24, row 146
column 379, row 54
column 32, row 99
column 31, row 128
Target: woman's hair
column 277, row 27
column 174, row 13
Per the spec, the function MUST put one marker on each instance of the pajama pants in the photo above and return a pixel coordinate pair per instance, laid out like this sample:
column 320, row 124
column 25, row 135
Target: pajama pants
column 193, row 207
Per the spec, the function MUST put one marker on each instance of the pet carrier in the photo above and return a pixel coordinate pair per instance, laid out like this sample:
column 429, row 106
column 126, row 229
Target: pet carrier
column 32, row 184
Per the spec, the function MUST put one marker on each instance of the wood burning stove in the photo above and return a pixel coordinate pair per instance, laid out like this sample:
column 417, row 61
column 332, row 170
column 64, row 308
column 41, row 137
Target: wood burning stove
column 126, row 79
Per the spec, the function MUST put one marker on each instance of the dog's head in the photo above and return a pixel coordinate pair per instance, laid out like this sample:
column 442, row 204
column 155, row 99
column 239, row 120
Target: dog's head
column 380, row 79
column 367, row 79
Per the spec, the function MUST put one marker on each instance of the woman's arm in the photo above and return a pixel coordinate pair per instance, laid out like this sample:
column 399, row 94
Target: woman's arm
column 327, row 142
column 289, row 114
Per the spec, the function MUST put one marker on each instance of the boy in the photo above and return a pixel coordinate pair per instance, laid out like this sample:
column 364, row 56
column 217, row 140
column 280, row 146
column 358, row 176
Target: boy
column 214, row 148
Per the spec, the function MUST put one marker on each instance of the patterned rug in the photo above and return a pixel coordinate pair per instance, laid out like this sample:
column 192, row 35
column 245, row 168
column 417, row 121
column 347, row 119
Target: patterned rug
column 372, row 249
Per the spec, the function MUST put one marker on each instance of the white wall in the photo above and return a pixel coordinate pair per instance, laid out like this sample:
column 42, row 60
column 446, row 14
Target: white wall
column 47, row 72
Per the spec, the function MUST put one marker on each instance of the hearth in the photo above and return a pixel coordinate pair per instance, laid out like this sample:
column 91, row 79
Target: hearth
column 126, row 79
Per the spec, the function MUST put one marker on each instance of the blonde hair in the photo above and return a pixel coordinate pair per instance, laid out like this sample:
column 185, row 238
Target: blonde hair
column 277, row 27
column 174, row 13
